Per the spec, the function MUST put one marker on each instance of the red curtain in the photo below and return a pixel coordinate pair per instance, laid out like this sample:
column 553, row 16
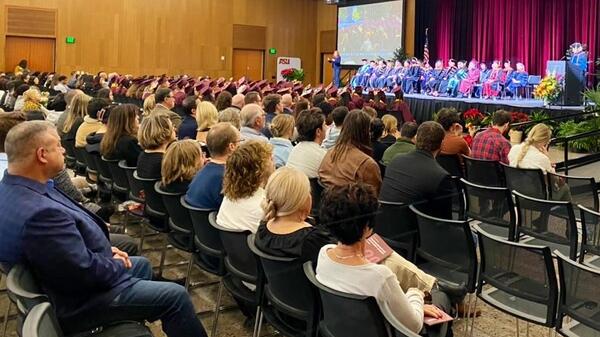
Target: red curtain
column 528, row 31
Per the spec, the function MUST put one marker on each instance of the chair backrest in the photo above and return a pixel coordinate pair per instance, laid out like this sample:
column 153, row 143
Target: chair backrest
column 240, row 262
column 397, row 223
column 547, row 220
column 520, row 270
column 347, row 314
column 531, row 182
column 448, row 244
column 450, row 163
column 136, row 188
column 41, row 322
column 89, row 160
column 579, row 296
column 104, row 174
column 153, row 200
column 179, row 217
column 590, row 230
column 69, row 146
column 24, row 289
column 282, row 274
column 484, row 172
column 583, row 190
column 490, row 205
column 81, row 160
column 534, row 79
column 119, row 176
column 206, row 236
column 315, row 190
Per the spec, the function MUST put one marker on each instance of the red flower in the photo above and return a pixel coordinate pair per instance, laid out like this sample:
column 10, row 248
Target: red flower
column 519, row 117
column 473, row 116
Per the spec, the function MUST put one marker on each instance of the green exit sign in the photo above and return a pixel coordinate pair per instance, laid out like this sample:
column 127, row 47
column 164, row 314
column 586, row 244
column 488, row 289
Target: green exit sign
column 70, row 40
column 272, row 51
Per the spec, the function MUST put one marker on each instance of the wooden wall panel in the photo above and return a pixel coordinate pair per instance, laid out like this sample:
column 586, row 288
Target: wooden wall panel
column 249, row 37
column 30, row 21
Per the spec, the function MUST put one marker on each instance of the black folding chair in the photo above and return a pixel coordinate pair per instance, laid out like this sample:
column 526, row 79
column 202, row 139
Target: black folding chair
column 530, row 182
column 294, row 313
column 590, row 236
column 450, row 163
column 581, row 190
column 42, row 322
column 316, row 189
column 547, row 223
column 120, row 184
column 493, row 207
column 518, row 279
column 353, row 315
column 484, row 172
column 579, row 298
column 136, row 188
column 104, row 174
column 397, row 225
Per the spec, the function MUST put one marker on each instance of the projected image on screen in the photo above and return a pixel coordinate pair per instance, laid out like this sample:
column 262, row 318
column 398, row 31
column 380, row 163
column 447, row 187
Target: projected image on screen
column 370, row 31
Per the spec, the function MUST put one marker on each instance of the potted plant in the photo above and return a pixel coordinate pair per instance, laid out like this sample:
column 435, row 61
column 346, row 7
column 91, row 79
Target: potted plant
column 293, row 74
column 516, row 134
column 549, row 89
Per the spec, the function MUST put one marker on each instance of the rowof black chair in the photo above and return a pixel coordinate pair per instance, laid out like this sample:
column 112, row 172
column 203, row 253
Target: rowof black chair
column 353, row 315
column 531, row 182
column 276, row 277
column 451, row 163
column 316, row 189
column 583, row 190
column 590, row 230
column 120, row 184
column 484, row 172
column 397, row 225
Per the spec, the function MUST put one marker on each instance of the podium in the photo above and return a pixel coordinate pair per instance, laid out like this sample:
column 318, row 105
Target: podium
column 573, row 80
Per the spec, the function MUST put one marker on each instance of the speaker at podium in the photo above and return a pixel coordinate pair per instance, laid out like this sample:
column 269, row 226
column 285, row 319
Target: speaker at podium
column 572, row 79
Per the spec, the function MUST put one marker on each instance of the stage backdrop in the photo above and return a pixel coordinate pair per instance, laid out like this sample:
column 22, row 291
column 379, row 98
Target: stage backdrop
column 528, row 31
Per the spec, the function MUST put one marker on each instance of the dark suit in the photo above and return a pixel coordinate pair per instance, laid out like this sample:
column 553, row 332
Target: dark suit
column 417, row 177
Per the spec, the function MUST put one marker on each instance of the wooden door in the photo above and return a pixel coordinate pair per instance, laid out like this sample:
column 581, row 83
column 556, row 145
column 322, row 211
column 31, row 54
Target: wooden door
column 327, row 73
column 249, row 63
column 38, row 52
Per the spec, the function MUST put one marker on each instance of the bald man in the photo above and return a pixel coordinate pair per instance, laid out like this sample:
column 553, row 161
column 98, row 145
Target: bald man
column 90, row 283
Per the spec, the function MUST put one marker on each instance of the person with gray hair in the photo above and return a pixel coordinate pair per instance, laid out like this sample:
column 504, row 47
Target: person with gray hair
column 90, row 282
column 253, row 120
column 231, row 115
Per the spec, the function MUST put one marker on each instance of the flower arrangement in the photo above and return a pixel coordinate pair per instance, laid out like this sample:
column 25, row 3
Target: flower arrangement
column 519, row 117
column 472, row 117
column 293, row 74
column 549, row 89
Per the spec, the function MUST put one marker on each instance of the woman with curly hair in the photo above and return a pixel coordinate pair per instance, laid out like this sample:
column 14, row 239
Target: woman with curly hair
column 246, row 173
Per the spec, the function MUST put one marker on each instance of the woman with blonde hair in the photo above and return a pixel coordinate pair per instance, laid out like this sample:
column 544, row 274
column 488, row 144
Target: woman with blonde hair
column 149, row 105
column 390, row 131
column 75, row 114
column 282, row 129
column 246, row 173
column 533, row 154
column 155, row 134
column 206, row 117
column 180, row 164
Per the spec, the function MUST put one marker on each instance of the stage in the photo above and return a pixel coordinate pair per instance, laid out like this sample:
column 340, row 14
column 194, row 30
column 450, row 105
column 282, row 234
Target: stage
column 423, row 106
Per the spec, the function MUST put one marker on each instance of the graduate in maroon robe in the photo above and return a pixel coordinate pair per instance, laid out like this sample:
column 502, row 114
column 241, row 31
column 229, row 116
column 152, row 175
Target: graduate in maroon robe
column 467, row 85
column 400, row 108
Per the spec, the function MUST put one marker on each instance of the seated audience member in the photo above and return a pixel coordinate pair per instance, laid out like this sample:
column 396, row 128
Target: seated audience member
column 253, row 121
column 32, row 102
column 246, row 174
column 67, row 248
column 182, row 160
column 206, row 117
column 273, row 107
column 377, row 145
column 7, row 121
column 307, row 155
column 19, row 97
column 416, row 177
column 348, row 213
column 148, row 106
column 205, row 191
column 350, row 159
column 282, row 129
column 491, row 144
column 404, row 144
column 105, row 93
column 338, row 115
column 252, row 97
column 301, row 105
column 165, row 101
column 94, row 139
column 533, row 154
column 287, row 101
column 223, row 100
column 372, row 113
column 453, row 143
column 120, row 140
column 390, row 131
column 61, row 84
column 231, row 115
column 237, row 102
column 189, row 126
column 90, row 123
column 75, row 114
column 69, row 97
column 155, row 134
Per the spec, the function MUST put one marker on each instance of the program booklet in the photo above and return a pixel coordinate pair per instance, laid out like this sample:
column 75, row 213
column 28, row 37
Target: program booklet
column 376, row 249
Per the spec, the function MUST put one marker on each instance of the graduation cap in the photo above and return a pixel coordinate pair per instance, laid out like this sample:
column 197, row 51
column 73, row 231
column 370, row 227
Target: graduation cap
column 297, row 87
column 332, row 91
column 261, row 83
column 220, row 80
column 242, row 80
column 284, row 91
column 268, row 89
column 205, row 90
column 242, row 89
column 307, row 91
column 397, row 89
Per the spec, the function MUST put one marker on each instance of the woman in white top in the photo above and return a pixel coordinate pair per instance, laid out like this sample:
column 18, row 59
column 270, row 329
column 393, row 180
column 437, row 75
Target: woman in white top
column 533, row 154
column 348, row 212
column 246, row 173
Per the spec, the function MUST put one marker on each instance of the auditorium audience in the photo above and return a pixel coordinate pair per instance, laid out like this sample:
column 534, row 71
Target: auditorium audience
column 75, row 114
column 348, row 212
column 148, row 106
column 155, row 134
column 91, row 123
column 105, row 93
column 182, row 160
column 333, row 132
column 206, row 117
column 404, row 144
column 390, row 132
column 32, row 101
column 350, row 159
column 120, row 140
column 287, row 102
column 282, row 129
column 237, row 101
column 189, row 125
column 93, row 139
column 252, row 97
column 68, row 97
column 307, row 155
column 377, row 146
column 491, row 144
column 19, row 99
column 67, row 248
column 453, row 143
column 246, row 174
column 301, row 105
column 165, row 101
column 7, row 121
column 416, row 177
column 224, row 100
column 272, row 106
column 205, row 191
column 253, row 121
column 231, row 115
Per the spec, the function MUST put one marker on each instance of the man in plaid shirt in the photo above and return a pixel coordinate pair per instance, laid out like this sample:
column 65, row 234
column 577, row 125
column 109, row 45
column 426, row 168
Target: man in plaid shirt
column 491, row 144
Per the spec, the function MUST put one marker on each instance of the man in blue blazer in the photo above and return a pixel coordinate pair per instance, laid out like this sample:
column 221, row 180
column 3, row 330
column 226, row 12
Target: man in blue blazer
column 89, row 282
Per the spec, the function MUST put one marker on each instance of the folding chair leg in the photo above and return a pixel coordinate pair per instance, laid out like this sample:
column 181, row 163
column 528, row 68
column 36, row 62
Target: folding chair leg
column 163, row 255
column 517, row 321
column 527, row 330
column 257, row 318
column 6, row 313
column 217, row 310
column 473, row 319
column 260, row 320
column 189, row 271
column 468, row 315
column 142, row 235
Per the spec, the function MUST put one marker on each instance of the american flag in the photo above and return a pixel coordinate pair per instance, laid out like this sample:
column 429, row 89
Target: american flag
column 426, row 47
